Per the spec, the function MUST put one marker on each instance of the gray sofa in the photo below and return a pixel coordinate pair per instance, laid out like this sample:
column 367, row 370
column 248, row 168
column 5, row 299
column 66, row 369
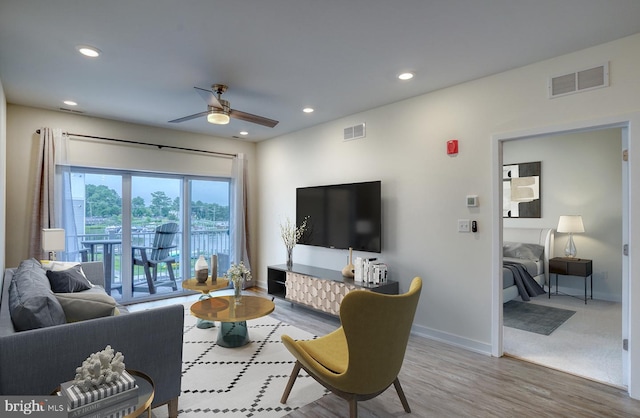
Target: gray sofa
column 36, row 361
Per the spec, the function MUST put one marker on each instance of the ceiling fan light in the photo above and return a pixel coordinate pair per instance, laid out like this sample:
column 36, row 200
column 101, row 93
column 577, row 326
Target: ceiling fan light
column 218, row 118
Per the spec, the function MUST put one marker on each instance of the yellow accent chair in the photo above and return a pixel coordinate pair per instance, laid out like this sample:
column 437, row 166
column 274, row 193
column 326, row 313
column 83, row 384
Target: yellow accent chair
column 363, row 357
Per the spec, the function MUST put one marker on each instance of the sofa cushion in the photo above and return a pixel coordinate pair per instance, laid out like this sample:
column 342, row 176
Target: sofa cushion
column 88, row 304
column 31, row 301
column 68, row 281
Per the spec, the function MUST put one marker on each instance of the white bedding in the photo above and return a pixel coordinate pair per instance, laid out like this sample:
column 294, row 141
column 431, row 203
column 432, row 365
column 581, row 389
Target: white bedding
column 534, row 267
column 540, row 236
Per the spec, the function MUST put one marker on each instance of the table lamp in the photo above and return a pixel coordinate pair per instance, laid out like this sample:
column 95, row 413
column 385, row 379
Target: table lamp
column 53, row 239
column 570, row 224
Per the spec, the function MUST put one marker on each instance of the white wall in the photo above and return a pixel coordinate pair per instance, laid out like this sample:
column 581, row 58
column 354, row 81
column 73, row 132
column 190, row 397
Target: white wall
column 581, row 175
column 3, row 176
column 22, row 147
column 424, row 189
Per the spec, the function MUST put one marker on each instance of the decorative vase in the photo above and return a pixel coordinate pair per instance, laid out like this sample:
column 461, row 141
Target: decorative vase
column 214, row 268
column 237, row 290
column 289, row 257
column 347, row 271
column 202, row 270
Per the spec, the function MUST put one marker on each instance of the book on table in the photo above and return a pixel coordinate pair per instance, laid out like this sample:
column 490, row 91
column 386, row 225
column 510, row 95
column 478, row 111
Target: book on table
column 82, row 402
column 117, row 410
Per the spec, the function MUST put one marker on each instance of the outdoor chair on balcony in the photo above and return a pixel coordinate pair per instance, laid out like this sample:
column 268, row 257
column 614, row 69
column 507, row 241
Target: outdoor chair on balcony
column 151, row 258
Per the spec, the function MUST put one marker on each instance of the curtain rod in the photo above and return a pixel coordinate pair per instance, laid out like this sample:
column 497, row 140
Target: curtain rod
column 126, row 141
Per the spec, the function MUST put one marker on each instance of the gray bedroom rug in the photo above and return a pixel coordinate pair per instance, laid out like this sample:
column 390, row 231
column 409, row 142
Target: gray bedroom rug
column 246, row 381
column 530, row 317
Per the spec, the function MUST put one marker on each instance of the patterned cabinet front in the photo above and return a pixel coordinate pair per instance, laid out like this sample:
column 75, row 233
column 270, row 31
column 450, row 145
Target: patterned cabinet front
column 320, row 294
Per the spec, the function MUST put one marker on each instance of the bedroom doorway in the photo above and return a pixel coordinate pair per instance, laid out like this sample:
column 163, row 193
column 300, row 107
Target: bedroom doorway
column 596, row 329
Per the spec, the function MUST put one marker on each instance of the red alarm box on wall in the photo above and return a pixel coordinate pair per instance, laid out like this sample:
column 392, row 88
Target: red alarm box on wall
column 452, row 146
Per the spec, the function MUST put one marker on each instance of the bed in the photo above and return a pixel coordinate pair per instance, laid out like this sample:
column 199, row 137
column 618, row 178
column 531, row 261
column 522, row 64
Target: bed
column 529, row 249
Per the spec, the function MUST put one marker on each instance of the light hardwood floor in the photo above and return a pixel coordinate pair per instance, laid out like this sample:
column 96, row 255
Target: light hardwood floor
column 444, row 381
column 440, row 380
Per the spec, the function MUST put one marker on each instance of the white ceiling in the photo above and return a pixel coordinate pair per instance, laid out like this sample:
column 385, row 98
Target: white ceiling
column 278, row 56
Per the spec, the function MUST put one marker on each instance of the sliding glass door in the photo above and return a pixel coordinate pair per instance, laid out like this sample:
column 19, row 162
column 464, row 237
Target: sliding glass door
column 209, row 220
column 135, row 224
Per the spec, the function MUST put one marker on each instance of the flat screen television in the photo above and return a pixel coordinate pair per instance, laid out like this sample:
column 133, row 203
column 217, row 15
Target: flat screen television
column 341, row 216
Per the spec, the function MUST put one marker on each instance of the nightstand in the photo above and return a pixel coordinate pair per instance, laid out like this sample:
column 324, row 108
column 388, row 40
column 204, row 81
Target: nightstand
column 567, row 266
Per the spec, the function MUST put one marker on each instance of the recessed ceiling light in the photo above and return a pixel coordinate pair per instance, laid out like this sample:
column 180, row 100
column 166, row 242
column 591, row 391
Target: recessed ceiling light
column 70, row 103
column 405, row 76
column 244, row 133
column 308, row 110
column 88, row 51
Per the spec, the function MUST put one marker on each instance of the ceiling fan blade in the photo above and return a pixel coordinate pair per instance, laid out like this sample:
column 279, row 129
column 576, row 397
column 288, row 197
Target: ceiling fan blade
column 186, row 118
column 248, row 117
column 209, row 97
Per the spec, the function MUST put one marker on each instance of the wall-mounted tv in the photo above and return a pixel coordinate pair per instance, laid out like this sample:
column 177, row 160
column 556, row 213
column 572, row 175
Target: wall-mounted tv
column 341, row 215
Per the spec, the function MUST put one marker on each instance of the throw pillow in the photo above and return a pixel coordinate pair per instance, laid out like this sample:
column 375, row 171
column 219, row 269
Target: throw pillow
column 69, row 280
column 31, row 301
column 92, row 303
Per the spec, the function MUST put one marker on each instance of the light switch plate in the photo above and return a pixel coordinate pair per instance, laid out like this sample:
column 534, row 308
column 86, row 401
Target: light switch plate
column 464, row 225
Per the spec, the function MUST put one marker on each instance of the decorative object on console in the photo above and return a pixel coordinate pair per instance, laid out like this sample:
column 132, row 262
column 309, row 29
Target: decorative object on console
column 358, row 269
column 202, row 270
column 368, row 270
column 347, row 271
column 53, row 239
column 291, row 234
column 103, row 367
column 571, row 224
column 238, row 273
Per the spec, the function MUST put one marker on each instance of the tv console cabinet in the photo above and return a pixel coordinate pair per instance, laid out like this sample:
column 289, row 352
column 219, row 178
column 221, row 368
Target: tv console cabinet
column 317, row 288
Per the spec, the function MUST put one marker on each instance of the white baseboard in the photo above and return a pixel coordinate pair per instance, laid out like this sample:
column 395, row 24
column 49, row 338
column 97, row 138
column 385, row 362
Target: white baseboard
column 454, row 340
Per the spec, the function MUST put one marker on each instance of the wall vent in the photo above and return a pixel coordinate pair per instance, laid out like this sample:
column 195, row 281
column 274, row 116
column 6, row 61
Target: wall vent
column 354, row 132
column 589, row 79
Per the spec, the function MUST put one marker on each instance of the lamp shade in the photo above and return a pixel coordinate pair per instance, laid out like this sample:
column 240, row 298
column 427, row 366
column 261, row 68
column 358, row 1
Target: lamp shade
column 53, row 239
column 570, row 224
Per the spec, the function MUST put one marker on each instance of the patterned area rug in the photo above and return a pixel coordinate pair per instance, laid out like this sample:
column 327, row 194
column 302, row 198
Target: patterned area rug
column 530, row 317
column 246, row 381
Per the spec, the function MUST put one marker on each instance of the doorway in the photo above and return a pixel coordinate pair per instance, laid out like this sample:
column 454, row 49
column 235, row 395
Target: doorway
column 610, row 268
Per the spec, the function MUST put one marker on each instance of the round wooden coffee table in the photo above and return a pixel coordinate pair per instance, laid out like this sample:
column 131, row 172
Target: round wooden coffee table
column 205, row 288
column 233, row 316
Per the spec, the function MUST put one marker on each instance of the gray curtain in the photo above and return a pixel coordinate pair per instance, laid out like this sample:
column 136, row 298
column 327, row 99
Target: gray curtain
column 45, row 212
column 239, row 227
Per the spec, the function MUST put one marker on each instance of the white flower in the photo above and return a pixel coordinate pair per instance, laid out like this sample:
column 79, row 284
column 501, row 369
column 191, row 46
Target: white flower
column 290, row 233
column 238, row 272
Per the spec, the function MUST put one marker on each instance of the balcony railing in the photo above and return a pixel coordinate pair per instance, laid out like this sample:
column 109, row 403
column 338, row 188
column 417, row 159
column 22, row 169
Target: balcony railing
column 201, row 242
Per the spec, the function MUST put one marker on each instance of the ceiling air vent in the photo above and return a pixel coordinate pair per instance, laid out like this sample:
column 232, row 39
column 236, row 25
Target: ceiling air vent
column 354, row 132
column 64, row 109
column 591, row 78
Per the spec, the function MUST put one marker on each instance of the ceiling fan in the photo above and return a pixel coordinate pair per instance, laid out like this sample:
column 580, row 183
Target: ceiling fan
column 219, row 110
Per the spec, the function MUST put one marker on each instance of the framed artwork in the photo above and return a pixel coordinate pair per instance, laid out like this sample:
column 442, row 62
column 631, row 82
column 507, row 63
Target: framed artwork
column 521, row 190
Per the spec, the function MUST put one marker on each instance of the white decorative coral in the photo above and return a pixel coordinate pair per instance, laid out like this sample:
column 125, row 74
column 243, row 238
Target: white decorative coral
column 99, row 368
